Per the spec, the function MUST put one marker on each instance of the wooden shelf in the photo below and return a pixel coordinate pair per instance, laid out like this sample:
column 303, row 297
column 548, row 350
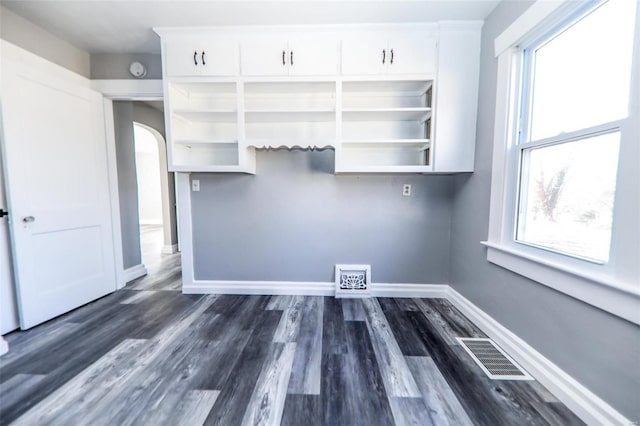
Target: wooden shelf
column 372, row 143
column 208, row 116
column 387, row 114
column 289, row 144
column 275, row 116
column 384, row 169
column 204, row 142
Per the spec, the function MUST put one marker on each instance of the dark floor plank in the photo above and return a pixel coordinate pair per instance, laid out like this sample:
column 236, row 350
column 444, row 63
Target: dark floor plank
column 307, row 363
column 460, row 325
column 353, row 310
column 396, row 375
column 236, row 392
column 363, row 379
column 334, row 340
column 406, row 304
column 403, row 330
column 444, row 408
column 267, row 401
column 289, row 326
column 302, row 410
column 410, row 411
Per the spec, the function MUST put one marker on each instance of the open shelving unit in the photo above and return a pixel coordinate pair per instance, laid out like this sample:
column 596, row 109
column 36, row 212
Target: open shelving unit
column 291, row 114
column 386, row 127
column 203, row 122
column 379, row 126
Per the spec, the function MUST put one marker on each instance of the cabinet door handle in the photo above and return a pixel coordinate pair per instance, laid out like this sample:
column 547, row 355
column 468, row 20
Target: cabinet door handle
column 204, row 63
column 283, row 62
column 291, row 58
column 391, row 61
column 384, row 55
column 195, row 58
column 28, row 219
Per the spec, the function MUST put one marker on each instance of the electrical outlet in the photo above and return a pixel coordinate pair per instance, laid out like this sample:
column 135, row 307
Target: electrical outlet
column 406, row 190
column 195, row 185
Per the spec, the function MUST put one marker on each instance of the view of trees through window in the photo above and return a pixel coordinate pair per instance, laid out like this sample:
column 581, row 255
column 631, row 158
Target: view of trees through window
column 575, row 95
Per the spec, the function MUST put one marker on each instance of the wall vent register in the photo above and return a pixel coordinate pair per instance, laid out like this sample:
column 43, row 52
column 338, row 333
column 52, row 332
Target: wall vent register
column 353, row 281
column 496, row 364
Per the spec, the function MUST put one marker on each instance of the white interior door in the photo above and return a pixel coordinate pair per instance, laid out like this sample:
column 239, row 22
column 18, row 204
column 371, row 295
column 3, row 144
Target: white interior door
column 57, row 189
column 8, row 312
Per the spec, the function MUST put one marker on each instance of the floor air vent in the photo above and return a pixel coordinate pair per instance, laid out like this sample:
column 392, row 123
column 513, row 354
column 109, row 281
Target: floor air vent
column 353, row 280
column 492, row 360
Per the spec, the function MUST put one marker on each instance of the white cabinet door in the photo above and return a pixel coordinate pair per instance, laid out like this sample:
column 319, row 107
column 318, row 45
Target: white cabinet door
column 267, row 56
column 57, row 189
column 219, row 57
column 183, row 58
column 364, row 53
column 194, row 57
column 313, row 56
column 412, row 53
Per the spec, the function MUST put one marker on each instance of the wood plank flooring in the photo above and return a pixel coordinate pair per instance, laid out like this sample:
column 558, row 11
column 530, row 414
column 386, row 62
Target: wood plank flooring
column 150, row 355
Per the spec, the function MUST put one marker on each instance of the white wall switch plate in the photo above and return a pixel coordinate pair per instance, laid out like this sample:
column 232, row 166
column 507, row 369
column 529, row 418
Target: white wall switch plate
column 195, row 185
column 406, row 190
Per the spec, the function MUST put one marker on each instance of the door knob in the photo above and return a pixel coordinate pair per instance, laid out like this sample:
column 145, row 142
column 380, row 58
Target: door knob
column 28, row 219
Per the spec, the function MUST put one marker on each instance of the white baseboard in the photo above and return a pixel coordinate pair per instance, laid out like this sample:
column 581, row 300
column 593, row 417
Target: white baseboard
column 169, row 249
column 424, row 291
column 310, row 288
column 4, row 346
column 134, row 272
column 584, row 403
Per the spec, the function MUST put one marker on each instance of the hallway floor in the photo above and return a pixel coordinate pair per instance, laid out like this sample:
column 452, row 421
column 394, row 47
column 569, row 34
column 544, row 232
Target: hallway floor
column 148, row 354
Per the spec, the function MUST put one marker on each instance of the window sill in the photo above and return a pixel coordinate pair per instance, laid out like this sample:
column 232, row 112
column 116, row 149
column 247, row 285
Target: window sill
column 612, row 296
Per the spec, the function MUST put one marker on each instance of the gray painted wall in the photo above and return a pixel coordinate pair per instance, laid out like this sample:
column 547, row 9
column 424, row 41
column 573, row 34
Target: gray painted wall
column 599, row 350
column 127, row 183
column 116, row 65
column 17, row 30
column 294, row 220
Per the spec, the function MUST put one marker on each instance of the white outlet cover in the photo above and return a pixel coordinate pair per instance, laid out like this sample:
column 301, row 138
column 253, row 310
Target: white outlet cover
column 406, row 190
column 195, row 185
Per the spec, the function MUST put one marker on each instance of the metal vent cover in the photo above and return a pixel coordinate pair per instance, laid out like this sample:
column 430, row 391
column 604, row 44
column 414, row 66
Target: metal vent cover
column 496, row 364
column 353, row 280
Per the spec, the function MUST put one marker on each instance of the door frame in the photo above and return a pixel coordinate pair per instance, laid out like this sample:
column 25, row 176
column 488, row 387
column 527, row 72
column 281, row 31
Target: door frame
column 121, row 90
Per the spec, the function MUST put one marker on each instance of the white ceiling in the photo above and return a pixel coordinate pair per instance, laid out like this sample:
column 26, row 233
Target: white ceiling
column 124, row 26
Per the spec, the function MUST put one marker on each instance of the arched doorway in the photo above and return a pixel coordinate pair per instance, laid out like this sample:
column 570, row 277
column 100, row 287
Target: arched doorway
column 154, row 202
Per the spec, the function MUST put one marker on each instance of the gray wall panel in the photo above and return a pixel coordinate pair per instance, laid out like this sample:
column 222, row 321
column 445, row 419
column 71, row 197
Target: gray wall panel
column 127, row 183
column 116, row 65
column 599, row 350
column 295, row 219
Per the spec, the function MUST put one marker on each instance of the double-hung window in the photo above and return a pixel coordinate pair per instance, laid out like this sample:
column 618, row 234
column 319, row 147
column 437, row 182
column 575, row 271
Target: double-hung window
column 564, row 175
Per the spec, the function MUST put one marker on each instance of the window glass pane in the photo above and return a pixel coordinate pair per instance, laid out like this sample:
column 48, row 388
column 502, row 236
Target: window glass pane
column 567, row 193
column 581, row 77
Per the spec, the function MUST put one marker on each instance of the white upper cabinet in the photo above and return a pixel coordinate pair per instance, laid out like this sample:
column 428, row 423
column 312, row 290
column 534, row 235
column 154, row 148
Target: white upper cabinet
column 409, row 52
column 279, row 56
column 201, row 57
column 387, row 98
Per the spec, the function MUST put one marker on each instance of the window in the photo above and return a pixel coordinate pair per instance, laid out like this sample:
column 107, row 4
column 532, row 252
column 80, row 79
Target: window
column 575, row 91
column 565, row 196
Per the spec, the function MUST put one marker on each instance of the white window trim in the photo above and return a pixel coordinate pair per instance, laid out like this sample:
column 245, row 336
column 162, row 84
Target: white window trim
column 614, row 286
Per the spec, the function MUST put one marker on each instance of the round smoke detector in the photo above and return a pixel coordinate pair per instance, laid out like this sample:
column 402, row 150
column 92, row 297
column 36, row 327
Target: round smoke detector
column 137, row 70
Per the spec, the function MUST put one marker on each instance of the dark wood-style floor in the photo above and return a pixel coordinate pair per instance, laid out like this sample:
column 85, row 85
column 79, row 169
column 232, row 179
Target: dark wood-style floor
column 151, row 355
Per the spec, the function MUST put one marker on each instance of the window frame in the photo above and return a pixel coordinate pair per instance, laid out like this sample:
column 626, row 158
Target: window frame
column 613, row 286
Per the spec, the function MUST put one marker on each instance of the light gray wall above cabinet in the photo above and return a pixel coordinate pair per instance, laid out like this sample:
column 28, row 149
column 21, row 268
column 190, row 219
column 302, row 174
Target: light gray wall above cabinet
column 105, row 66
column 294, row 220
column 23, row 33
